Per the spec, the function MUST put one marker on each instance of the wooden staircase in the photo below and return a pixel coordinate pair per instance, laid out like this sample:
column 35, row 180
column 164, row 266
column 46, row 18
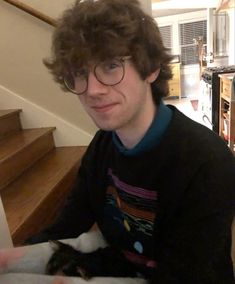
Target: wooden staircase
column 35, row 176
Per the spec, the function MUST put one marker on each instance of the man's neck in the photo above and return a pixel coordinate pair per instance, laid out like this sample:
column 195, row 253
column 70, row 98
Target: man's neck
column 132, row 135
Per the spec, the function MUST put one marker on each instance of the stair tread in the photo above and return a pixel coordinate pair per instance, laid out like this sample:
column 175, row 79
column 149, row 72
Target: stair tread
column 15, row 142
column 22, row 197
column 6, row 112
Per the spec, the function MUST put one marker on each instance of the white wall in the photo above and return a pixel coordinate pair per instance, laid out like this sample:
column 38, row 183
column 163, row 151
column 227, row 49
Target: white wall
column 66, row 134
column 51, row 8
column 26, row 83
column 24, row 42
column 146, row 6
column 54, row 8
column 5, row 239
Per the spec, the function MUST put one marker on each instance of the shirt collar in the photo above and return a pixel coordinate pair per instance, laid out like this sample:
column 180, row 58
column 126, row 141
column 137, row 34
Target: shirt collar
column 153, row 135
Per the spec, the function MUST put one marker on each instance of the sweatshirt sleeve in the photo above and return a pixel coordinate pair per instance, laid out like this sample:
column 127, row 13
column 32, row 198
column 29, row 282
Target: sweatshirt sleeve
column 197, row 253
column 76, row 216
column 193, row 245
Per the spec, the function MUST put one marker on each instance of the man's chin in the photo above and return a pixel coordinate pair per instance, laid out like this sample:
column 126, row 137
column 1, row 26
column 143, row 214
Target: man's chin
column 104, row 126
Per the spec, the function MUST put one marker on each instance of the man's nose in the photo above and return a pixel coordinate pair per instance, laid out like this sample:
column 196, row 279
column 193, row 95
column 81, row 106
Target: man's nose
column 94, row 86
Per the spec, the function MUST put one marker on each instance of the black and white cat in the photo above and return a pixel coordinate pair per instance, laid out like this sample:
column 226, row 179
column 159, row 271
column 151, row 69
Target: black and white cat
column 106, row 261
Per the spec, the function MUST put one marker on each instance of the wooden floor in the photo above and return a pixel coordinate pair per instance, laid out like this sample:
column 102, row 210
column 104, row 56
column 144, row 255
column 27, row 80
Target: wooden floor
column 35, row 176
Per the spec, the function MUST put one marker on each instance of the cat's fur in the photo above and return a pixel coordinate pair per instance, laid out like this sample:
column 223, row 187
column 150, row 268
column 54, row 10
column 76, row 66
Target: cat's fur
column 103, row 262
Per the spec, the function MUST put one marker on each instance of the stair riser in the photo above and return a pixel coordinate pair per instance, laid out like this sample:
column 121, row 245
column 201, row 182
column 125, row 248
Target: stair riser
column 19, row 162
column 46, row 212
column 9, row 124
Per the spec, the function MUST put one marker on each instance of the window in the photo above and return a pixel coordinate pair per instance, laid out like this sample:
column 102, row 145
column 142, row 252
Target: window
column 166, row 33
column 189, row 34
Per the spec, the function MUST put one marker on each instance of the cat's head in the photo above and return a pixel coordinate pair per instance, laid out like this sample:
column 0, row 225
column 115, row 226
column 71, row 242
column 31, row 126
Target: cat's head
column 66, row 261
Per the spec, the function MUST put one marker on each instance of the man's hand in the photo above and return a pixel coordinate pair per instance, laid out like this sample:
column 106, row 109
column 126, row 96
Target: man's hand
column 58, row 280
column 10, row 255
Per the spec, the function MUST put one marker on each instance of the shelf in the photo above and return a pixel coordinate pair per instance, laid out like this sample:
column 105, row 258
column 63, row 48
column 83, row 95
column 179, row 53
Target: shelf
column 227, row 112
column 226, row 116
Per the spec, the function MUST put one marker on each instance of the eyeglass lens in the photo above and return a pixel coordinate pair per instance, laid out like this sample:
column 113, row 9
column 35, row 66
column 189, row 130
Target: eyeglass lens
column 109, row 73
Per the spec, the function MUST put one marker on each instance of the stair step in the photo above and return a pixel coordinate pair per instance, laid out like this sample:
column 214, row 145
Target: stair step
column 20, row 150
column 9, row 122
column 31, row 201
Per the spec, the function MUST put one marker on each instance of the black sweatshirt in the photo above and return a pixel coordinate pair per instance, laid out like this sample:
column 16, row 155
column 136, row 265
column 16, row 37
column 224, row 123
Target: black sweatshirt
column 192, row 172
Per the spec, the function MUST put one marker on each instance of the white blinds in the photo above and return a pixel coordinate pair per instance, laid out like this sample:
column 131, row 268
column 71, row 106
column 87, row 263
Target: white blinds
column 166, row 33
column 189, row 32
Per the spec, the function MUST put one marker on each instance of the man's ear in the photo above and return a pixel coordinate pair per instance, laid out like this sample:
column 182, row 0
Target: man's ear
column 153, row 76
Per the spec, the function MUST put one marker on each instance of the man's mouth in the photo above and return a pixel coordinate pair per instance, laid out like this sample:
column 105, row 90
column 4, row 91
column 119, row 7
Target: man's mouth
column 104, row 108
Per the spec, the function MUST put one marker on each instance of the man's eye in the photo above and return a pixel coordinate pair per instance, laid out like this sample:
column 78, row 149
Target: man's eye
column 109, row 66
column 112, row 65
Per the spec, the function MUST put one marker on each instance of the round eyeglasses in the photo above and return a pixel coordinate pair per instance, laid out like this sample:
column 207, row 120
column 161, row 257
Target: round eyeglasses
column 109, row 73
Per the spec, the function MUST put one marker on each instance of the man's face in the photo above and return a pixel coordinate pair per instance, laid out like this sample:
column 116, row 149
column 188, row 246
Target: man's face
column 118, row 107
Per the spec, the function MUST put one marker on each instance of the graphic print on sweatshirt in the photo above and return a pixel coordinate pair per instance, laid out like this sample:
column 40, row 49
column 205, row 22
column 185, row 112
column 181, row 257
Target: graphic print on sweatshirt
column 128, row 220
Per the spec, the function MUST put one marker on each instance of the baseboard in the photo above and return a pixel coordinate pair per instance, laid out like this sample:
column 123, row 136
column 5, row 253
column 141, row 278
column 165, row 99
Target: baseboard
column 66, row 134
column 5, row 240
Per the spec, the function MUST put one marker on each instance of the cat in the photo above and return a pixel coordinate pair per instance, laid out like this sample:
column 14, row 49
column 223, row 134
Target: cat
column 107, row 261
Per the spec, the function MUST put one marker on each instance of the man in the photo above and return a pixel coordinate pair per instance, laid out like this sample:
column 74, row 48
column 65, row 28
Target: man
column 159, row 186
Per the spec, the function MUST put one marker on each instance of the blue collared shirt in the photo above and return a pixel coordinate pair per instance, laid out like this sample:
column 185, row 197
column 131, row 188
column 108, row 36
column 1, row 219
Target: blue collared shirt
column 153, row 135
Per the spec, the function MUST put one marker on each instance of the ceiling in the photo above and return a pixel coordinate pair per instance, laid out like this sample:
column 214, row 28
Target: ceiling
column 170, row 12
column 162, row 8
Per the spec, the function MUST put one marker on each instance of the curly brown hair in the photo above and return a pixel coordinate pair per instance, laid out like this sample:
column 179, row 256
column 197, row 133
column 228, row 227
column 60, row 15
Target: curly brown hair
column 96, row 30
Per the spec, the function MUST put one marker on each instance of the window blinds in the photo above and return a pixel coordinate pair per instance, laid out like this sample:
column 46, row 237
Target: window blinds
column 189, row 32
column 166, row 33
